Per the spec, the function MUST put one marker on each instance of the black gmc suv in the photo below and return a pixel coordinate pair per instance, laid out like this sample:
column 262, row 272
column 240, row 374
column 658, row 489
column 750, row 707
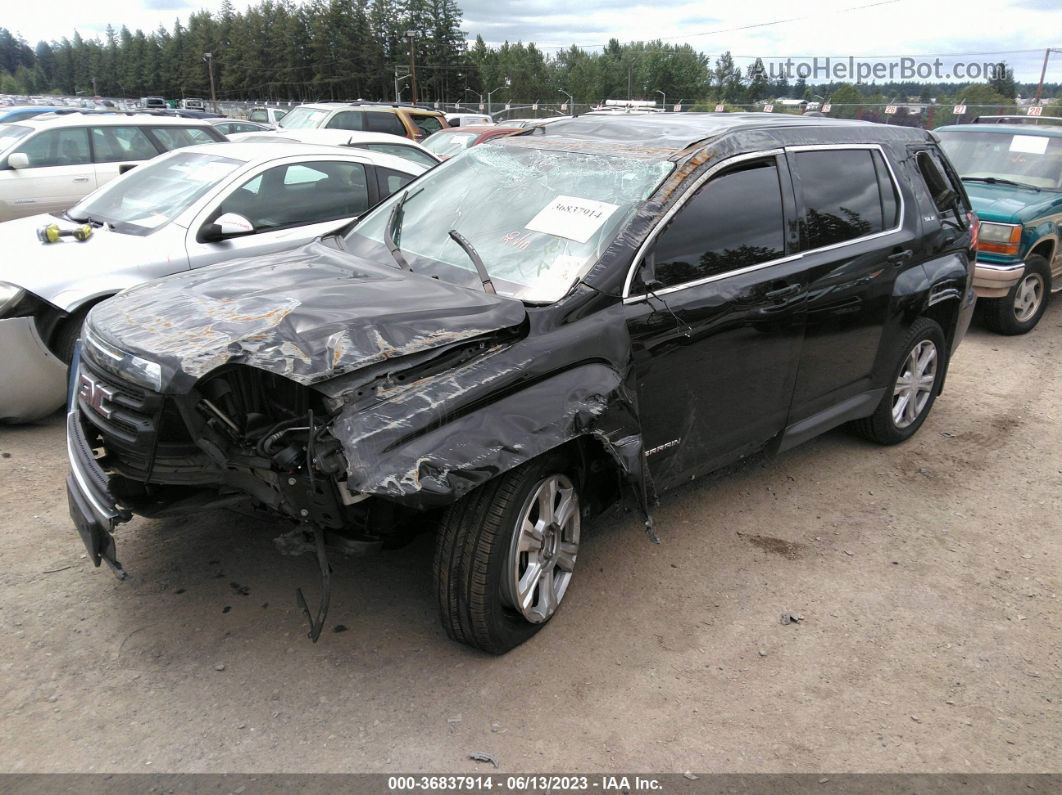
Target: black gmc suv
column 598, row 309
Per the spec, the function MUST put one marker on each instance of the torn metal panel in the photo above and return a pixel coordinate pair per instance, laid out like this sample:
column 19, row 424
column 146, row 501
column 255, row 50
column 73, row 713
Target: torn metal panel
column 429, row 441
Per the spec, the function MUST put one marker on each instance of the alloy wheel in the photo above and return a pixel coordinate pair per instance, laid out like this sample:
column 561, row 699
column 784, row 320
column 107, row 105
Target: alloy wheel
column 543, row 550
column 914, row 385
column 1028, row 297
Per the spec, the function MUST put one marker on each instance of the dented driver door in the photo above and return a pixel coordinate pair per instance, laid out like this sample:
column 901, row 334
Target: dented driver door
column 716, row 317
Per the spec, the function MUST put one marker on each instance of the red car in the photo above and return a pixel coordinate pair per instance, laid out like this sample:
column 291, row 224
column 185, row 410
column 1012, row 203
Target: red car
column 453, row 140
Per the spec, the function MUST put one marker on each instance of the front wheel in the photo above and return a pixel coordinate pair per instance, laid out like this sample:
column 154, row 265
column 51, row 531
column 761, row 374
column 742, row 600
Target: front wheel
column 913, row 389
column 1020, row 310
column 505, row 555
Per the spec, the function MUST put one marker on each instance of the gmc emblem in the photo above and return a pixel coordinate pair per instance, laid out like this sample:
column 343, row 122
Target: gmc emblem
column 95, row 395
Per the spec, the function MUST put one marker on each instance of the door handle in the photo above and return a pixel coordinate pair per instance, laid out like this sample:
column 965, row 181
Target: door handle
column 900, row 257
column 782, row 293
column 81, row 179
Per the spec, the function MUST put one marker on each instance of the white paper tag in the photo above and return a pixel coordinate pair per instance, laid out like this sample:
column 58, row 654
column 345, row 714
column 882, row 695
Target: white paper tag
column 1033, row 144
column 571, row 217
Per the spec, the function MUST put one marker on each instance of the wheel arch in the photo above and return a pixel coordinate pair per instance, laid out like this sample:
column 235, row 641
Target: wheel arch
column 586, row 410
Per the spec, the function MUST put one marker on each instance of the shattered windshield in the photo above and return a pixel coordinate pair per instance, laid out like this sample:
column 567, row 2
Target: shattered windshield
column 539, row 219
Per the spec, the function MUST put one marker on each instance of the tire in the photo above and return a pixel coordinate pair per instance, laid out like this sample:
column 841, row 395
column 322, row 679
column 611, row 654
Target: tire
column 884, row 426
column 1021, row 309
column 478, row 555
column 67, row 334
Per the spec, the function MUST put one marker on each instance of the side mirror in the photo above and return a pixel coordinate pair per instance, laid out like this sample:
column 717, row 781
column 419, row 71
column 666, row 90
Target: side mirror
column 18, row 160
column 227, row 225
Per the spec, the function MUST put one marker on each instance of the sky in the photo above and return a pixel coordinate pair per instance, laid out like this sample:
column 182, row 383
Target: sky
column 835, row 28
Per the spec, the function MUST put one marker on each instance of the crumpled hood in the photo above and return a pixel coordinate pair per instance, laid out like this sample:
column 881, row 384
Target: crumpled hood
column 1006, row 203
column 64, row 272
column 310, row 314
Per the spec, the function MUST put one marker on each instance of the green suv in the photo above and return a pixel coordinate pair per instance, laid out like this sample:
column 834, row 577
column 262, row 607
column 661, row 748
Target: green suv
column 1013, row 175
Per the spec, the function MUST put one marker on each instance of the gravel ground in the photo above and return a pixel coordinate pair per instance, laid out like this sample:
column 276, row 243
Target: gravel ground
column 928, row 577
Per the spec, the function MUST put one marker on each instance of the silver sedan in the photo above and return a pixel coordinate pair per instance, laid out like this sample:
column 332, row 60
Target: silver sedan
column 183, row 210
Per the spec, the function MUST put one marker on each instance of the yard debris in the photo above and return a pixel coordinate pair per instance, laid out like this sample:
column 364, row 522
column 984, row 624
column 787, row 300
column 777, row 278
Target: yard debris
column 690, row 776
column 479, row 756
column 763, row 653
column 219, row 667
column 791, row 618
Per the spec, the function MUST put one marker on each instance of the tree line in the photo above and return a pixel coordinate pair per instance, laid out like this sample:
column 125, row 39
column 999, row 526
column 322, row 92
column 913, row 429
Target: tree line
column 350, row 49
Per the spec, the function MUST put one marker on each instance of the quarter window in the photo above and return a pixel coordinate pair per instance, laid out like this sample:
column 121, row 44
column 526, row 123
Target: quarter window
column 732, row 222
column 842, row 199
column 427, row 124
column 63, row 147
column 258, row 115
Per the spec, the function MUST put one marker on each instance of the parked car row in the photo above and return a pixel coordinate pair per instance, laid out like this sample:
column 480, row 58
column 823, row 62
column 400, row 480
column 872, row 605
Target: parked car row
column 500, row 346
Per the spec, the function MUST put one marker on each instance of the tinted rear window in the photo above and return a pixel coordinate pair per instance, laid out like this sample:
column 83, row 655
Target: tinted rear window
column 841, row 196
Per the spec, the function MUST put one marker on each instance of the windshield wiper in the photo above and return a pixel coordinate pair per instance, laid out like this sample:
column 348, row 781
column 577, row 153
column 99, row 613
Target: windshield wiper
column 1000, row 181
column 395, row 222
column 481, row 269
column 87, row 219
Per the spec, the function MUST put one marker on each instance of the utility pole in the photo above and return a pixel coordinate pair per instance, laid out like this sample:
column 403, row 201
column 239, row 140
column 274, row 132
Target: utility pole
column 209, row 58
column 412, row 35
column 1043, row 74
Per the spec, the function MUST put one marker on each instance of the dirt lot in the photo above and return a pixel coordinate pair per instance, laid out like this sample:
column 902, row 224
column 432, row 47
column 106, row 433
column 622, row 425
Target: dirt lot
column 928, row 576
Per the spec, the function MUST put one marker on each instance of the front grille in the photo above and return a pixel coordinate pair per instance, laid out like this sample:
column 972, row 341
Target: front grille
column 134, row 411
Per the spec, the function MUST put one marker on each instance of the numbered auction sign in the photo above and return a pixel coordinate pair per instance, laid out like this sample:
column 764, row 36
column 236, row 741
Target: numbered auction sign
column 534, row 106
column 678, row 109
column 890, row 110
column 720, row 108
column 768, row 108
column 507, row 106
column 1034, row 110
column 564, row 106
column 481, row 106
column 959, row 110
column 826, row 107
column 436, row 104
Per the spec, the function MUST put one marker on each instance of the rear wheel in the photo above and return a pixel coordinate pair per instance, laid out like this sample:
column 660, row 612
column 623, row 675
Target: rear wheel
column 1021, row 309
column 913, row 388
column 506, row 553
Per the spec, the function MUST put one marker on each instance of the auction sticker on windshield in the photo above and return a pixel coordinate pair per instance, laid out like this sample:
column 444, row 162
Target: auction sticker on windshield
column 1032, row 144
column 572, row 218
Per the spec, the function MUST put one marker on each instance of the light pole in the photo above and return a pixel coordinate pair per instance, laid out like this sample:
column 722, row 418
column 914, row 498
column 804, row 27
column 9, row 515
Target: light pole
column 489, row 93
column 470, row 91
column 571, row 101
column 398, row 94
column 411, row 35
column 209, row 58
column 663, row 102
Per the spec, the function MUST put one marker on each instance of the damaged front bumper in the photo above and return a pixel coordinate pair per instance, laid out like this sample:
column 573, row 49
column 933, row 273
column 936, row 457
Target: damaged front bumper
column 92, row 508
column 31, row 377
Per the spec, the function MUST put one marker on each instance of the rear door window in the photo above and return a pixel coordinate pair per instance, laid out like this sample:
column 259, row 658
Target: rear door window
column 734, row 221
column 376, row 121
column 347, row 120
column 68, row 146
column 258, row 115
column 841, row 195
column 114, row 144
